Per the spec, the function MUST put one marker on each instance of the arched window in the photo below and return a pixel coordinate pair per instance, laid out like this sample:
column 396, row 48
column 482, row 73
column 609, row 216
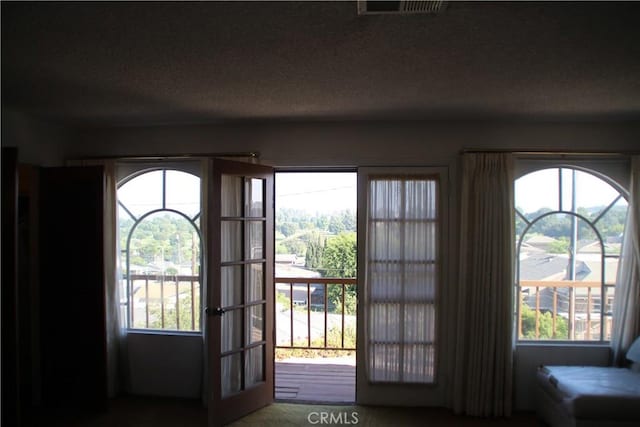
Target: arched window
column 160, row 242
column 569, row 227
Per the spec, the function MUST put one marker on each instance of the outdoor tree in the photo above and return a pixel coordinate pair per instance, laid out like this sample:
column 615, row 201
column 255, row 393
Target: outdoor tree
column 288, row 228
column 315, row 249
column 339, row 256
column 339, row 260
column 170, row 318
column 559, row 246
column 159, row 239
column 545, row 325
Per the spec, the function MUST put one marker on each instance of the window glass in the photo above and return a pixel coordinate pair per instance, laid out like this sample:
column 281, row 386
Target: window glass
column 142, row 194
column 569, row 226
column 183, row 192
column 159, row 237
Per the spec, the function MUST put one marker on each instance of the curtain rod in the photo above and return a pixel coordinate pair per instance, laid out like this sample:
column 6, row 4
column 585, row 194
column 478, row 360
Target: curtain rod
column 553, row 153
column 250, row 154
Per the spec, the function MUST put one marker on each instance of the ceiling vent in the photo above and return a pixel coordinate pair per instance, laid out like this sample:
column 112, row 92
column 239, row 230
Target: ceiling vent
column 373, row 7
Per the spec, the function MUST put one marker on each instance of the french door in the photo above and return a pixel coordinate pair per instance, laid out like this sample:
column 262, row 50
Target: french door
column 239, row 289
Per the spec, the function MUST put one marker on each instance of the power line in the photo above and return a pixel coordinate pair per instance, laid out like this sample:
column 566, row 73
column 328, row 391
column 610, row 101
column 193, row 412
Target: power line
column 315, row 191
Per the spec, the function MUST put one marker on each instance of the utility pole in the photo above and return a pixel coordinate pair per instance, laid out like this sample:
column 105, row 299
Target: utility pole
column 194, row 253
column 573, row 250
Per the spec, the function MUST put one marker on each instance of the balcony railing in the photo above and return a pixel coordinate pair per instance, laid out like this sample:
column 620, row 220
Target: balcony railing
column 307, row 317
column 164, row 302
column 574, row 307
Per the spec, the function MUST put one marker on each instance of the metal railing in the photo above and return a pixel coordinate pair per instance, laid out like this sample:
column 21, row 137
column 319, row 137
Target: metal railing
column 164, row 302
column 309, row 304
column 580, row 305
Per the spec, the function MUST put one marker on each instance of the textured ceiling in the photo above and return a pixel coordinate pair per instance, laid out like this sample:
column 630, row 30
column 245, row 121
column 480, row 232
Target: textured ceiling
column 148, row 63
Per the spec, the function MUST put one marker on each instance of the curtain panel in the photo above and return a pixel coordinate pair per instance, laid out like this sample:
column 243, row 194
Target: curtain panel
column 484, row 341
column 117, row 363
column 626, row 309
column 402, row 278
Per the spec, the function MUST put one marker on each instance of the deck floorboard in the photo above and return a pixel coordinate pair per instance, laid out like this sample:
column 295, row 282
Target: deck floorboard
column 315, row 382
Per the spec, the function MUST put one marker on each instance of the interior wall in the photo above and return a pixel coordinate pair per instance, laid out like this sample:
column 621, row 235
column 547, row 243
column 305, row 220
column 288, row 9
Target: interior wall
column 357, row 143
column 286, row 145
column 38, row 142
column 165, row 364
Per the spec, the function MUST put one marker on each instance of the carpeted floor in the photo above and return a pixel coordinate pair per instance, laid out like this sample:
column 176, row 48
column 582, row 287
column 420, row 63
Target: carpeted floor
column 159, row 412
column 290, row 414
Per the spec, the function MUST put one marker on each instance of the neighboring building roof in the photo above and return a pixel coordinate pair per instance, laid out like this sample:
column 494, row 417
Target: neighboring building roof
column 286, row 270
column 540, row 240
column 543, row 266
column 595, row 270
column 286, row 258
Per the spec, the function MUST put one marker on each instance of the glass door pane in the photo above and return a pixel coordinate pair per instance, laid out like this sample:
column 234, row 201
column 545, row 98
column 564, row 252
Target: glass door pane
column 242, row 240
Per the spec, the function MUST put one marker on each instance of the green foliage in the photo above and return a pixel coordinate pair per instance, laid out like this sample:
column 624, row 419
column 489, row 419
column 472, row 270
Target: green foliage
column 339, row 256
column 292, row 220
column 520, row 225
column 288, row 228
column 159, row 239
column 170, row 319
column 283, row 300
column 314, row 252
column 334, row 299
column 545, row 325
column 294, row 246
column 560, row 246
column 334, row 340
column 609, row 225
column 339, row 259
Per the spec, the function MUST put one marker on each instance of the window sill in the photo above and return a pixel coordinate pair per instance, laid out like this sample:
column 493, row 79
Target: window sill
column 163, row 332
column 585, row 344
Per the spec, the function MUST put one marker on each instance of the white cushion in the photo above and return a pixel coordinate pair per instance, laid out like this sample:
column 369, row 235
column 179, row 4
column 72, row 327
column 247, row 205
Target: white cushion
column 633, row 353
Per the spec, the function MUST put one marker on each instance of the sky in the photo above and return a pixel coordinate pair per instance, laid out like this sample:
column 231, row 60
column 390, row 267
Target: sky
column 326, row 192
column 316, row 192
column 540, row 189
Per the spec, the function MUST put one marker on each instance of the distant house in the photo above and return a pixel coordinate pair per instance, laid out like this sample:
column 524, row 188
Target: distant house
column 300, row 295
column 540, row 242
column 286, row 259
column 550, row 267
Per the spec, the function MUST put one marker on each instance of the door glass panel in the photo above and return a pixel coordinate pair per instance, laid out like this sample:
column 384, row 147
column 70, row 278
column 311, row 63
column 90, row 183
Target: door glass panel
column 255, row 282
column 231, row 381
column 231, row 203
column 254, row 372
column 255, row 198
column 255, row 321
column 230, row 241
column 231, row 282
column 254, row 248
column 231, row 330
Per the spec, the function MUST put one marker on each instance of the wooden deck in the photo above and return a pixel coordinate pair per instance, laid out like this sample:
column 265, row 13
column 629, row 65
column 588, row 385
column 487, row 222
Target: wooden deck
column 316, row 381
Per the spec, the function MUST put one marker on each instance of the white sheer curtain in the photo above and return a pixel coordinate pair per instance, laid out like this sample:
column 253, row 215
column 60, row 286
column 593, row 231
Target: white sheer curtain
column 117, row 365
column 484, row 340
column 626, row 326
column 401, row 275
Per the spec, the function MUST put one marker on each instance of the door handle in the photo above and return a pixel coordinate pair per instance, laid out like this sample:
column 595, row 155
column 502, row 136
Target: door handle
column 218, row 311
